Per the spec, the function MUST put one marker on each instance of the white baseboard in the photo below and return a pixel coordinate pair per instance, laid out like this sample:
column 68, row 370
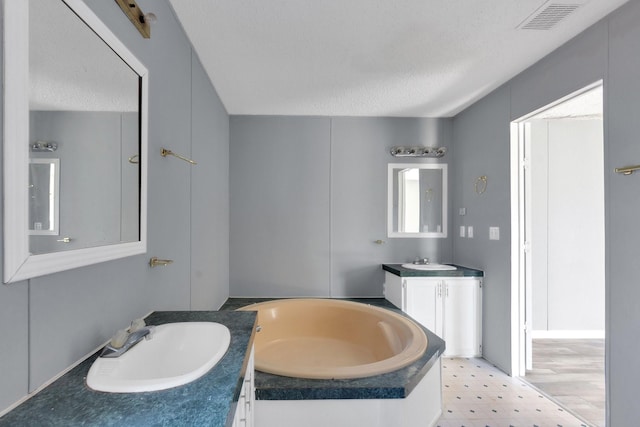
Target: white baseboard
column 567, row 334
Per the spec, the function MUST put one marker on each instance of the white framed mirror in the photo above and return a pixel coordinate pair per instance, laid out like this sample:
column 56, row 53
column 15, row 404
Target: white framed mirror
column 417, row 200
column 69, row 80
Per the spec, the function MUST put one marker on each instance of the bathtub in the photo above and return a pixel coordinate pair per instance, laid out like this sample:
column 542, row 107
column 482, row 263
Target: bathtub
column 333, row 339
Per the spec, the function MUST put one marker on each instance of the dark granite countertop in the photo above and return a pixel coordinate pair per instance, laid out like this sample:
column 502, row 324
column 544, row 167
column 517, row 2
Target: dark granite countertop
column 208, row 401
column 392, row 385
column 460, row 271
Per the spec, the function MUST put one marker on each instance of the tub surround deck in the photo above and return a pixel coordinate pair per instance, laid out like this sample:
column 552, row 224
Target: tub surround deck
column 209, row 400
column 392, row 385
column 460, row 271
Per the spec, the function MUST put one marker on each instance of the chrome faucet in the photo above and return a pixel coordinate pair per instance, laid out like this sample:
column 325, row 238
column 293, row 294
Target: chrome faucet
column 421, row 261
column 123, row 340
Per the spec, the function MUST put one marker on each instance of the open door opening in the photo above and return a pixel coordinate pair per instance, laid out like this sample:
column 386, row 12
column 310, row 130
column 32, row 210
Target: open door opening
column 558, row 309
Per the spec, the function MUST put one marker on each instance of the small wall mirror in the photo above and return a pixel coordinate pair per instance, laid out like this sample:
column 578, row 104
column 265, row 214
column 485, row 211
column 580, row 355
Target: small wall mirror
column 44, row 197
column 75, row 112
column 417, row 200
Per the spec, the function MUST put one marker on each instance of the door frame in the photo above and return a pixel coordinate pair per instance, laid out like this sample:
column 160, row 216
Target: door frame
column 520, row 255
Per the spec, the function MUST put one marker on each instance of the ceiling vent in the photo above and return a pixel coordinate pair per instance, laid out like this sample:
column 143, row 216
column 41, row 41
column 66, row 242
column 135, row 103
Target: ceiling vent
column 548, row 16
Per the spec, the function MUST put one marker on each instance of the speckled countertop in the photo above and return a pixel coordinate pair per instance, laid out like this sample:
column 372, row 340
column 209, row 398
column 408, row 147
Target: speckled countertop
column 393, row 385
column 208, row 401
column 460, row 271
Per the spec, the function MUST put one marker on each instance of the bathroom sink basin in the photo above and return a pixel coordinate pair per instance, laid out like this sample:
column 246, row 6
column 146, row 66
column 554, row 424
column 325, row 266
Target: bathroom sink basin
column 176, row 354
column 429, row 267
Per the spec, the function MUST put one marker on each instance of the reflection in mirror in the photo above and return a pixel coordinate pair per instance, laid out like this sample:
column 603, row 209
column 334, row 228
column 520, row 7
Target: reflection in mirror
column 417, row 200
column 44, row 196
column 72, row 83
column 84, row 97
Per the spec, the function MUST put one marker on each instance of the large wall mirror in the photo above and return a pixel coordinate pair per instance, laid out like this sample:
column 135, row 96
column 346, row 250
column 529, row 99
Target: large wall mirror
column 75, row 140
column 417, row 200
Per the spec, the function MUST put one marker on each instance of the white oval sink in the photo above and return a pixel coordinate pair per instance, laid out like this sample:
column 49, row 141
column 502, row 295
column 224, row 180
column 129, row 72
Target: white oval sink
column 176, row 354
column 429, row 267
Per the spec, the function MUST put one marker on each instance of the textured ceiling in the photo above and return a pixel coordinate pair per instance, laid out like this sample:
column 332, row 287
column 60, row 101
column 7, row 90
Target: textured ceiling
column 71, row 68
column 413, row 58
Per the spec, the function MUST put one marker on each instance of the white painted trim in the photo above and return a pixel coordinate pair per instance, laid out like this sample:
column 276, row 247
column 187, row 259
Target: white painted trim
column 568, row 334
column 445, row 199
column 19, row 263
column 16, row 125
column 518, row 362
column 517, row 365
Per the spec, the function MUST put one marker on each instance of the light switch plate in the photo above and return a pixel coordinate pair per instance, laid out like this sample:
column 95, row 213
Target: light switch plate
column 462, row 230
column 494, row 233
column 470, row 232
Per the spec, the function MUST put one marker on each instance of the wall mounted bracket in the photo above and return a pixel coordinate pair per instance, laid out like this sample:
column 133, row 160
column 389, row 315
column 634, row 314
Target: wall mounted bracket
column 136, row 16
column 164, row 153
column 627, row 170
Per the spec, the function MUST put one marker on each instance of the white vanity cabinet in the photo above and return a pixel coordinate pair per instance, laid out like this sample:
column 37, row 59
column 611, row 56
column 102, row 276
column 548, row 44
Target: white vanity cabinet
column 244, row 411
column 450, row 307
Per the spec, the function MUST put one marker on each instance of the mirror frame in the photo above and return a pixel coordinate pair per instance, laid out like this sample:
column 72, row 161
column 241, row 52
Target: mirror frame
column 390, row 201
column 19, row 263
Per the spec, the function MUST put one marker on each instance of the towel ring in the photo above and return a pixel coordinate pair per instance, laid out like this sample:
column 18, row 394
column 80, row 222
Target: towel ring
column 481, row 184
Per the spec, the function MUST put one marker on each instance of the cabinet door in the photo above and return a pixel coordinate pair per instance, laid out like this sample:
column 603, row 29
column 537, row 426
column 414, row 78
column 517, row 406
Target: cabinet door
column 244, row 410
column 462, row 321
column 393, row 291
column 423, row 300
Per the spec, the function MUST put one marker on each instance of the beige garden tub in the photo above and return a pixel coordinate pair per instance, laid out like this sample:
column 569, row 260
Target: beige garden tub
column 328, row 338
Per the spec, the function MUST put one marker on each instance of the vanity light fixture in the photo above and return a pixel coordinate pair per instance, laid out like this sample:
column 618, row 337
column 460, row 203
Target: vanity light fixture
column 40, row 146
column 401, row 151
column 139, row 19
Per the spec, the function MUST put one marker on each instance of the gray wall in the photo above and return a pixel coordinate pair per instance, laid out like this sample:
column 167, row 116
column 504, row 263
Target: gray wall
column 608, row 51
column 91, row 207
column 280, row 212
column 481, row 147
column 48, row 323
column 308, row 200
column 209, row 194
column 359, row 158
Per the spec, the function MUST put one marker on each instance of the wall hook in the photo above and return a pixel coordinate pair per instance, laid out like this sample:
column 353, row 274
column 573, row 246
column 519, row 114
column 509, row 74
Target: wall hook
column 164, row 152
column 627, row 170
column 155, row 262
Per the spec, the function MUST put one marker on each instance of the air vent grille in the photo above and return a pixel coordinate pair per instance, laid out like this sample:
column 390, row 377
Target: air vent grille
column 548, row 16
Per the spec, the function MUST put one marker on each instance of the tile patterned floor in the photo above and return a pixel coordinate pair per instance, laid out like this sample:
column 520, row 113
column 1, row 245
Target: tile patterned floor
column 477, row 394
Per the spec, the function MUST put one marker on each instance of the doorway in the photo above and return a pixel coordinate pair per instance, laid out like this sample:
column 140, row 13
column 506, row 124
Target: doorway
column 558, row 251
